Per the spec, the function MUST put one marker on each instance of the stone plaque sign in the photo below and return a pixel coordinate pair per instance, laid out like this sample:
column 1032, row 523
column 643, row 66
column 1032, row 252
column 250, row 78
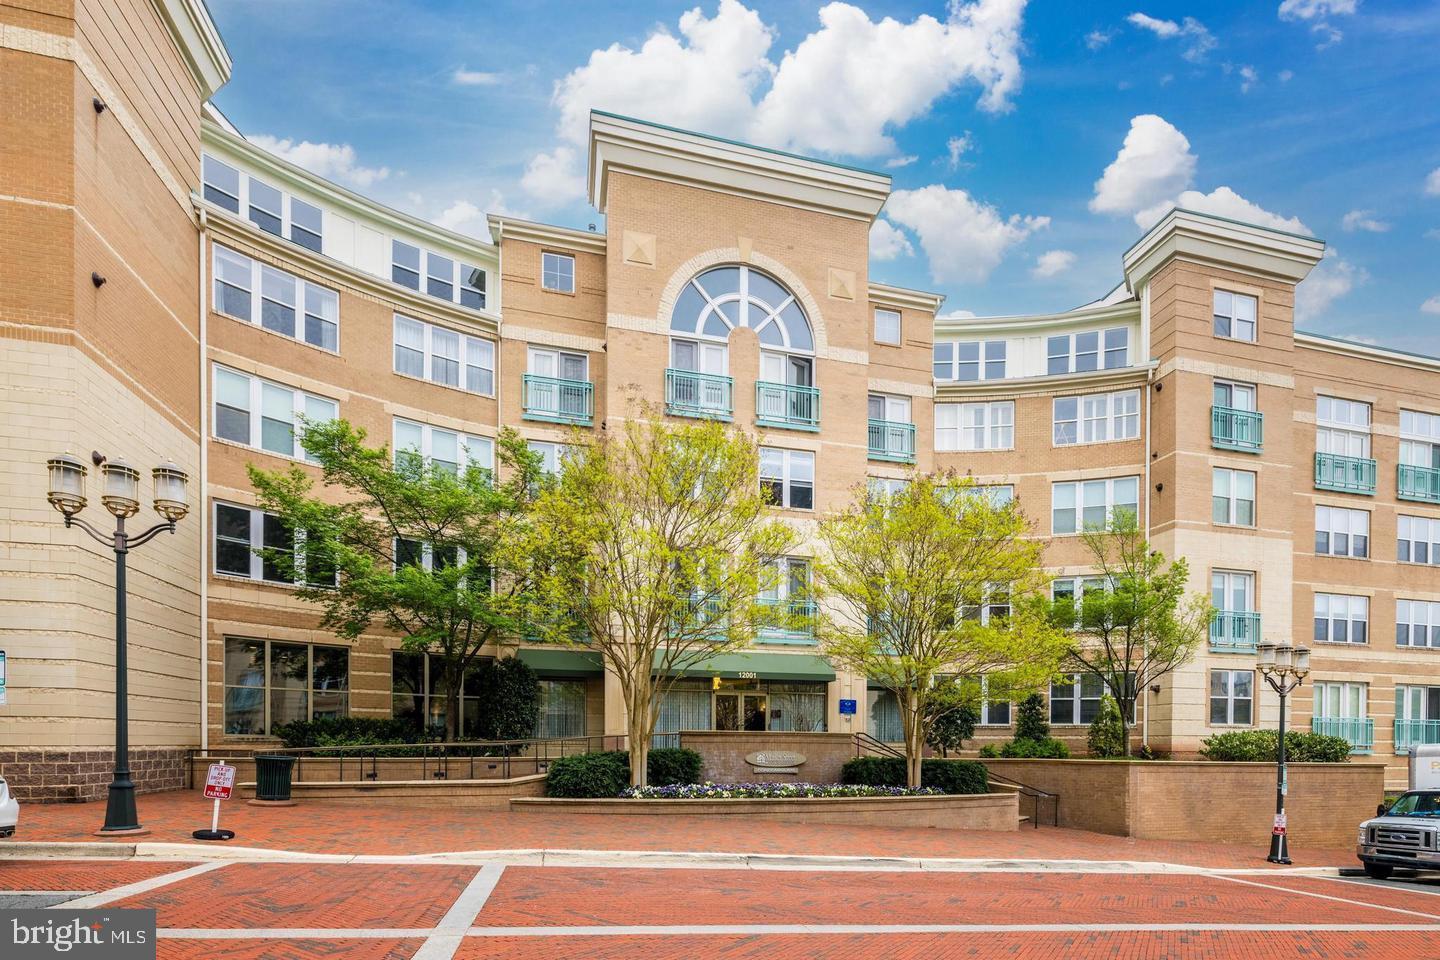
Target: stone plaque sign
column 775, row 761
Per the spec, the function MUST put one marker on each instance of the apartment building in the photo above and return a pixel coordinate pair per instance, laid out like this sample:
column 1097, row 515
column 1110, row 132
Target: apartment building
column 1299, row 475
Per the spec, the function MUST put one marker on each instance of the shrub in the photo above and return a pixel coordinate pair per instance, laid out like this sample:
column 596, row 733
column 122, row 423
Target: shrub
column 770, row 791
column 595, row 775
column 509, row 697
column 951, row 718
column 1048, row 749
column 989, row 750
column 348, row 731
column 1030, row 721
column 1259, row 746
column 1107, row 734
column 672, row 765
column 949, row 776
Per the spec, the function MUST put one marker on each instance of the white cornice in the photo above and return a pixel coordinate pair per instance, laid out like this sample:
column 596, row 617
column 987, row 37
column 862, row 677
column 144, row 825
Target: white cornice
column 199, row 42
column 548, row 235
column 1127, row 311
column 1368, row 352
column 1044, row 386
column 1217, row 241
column 726, row 166
column 884, row 295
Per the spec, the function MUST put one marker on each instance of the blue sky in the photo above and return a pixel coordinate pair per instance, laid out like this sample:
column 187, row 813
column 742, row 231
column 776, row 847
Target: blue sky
column 1029, row 145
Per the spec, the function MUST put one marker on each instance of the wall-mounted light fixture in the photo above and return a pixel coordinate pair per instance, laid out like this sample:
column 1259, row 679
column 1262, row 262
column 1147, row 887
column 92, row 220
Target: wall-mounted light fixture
column 98, row 104
column 97, row 279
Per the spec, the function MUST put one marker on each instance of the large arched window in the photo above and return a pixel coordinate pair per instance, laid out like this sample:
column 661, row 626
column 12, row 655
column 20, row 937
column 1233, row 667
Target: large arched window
column 723, row 298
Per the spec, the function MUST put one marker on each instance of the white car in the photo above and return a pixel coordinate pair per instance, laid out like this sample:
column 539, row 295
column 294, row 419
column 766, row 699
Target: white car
column 9, row 810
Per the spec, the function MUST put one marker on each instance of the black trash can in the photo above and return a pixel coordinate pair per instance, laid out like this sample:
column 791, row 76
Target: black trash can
column 272, row 777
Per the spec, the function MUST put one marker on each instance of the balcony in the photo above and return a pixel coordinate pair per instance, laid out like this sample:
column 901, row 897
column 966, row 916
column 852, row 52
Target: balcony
column 706, row 395
column 1234, row 631
column 559, row 401
column 1359, row 731
column 1235, row 429
column 1344, row 474
column 892, row 440
column 799, row 621
column 1418, row 483
column 787, row 406
column 1408, row 733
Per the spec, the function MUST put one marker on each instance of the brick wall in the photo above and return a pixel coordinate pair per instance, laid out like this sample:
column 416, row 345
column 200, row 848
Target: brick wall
column 60, row 776
column 724, row 755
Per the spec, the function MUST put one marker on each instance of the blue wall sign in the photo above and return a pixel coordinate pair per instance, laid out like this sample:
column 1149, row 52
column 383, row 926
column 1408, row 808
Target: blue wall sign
column 847, row 708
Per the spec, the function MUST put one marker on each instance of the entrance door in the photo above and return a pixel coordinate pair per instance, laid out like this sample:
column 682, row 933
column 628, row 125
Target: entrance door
column 727, row 711
column 754, row 711
column 703, row 393
column 740, row 711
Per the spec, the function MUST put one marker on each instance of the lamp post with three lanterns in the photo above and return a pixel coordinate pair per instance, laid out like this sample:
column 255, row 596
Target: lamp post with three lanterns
column 1284, row 668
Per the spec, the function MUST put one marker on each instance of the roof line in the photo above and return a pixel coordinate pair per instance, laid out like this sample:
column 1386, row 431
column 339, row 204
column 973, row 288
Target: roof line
column 1377, row 347
column 1216, row 216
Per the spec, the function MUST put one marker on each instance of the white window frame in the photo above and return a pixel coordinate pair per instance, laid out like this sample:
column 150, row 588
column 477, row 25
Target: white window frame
column 550, row 263
column 427, row 555
column 303, row 290
column 1351, row 700
column 1095, row 418
column 1420, row 439
column 1229, row 697
column 991, row 360
column 1071, row 354
column 1078, row 490
column 557, row 357
column 1340, row 428
column 1335, row 523
column 1417, row 616
column 243, row 201
column 981, row 425
column 469, row 351
column 1334, row 608
column 467, row 445
column 552, row 455
column 1223, row 584
column 882, row 334
column 987, row 706
column 457, row 273
column 885, row 486
column 1076, row 699
column 1234, row 480
column 788, row 460
column 1232, row 315
column 299, row 406
column 1247, row 394
column 1412, row 531
column 257, row 542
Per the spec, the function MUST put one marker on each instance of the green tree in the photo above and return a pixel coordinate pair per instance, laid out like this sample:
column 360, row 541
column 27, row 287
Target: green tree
column 912, row 574
column 414, row 547
column 1142, row 626
column 1106, row 736
column 954, row 712
column 661, row 545
column 1030, row 721
column 509, row 695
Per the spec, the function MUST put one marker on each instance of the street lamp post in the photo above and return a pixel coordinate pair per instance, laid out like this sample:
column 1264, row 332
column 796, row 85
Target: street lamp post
column 1284, row 668
column 121, row 496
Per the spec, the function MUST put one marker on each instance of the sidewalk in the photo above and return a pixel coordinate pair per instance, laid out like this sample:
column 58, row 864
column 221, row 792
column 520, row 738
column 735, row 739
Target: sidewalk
column 397, row 830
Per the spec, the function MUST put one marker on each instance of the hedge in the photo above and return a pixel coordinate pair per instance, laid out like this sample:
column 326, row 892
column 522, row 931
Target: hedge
column 590, row 776
column 1260, row 746
column 348, row 731
column 948, row 776
column 771, row 791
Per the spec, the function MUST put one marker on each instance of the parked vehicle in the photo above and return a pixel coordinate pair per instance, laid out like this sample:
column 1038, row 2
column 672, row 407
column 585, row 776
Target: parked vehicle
column 1406, row 832
column 9, row 810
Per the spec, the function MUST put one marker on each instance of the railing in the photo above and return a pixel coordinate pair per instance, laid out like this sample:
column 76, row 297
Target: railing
column 1234, row 631
column 692, row 394
column 558, row 400
column 1418, row 483
column 799, row 624
column 1234, row 429
column 866, row 745
column 1359, row 731
column 1409, row 733
column 1345, row 474
column 1024, row 789
column 892, row 440
column 787, row 405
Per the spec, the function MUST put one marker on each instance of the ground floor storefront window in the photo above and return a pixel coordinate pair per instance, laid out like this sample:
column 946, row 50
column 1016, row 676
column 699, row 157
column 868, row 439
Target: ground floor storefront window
column 270, row 682
column 562, row 709
column 744, row 705
column 417, row 684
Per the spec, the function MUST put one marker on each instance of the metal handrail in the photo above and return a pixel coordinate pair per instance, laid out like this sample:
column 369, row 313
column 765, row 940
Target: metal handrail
column 866, row 742
column 1027, row 790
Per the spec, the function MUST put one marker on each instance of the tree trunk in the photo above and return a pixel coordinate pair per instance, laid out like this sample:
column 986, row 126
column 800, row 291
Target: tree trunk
column 1125, row 733
column 452, row 712
column 638, row 724
column 914, row 744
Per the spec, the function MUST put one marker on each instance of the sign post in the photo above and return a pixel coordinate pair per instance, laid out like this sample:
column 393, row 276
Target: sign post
column 2, row 678
column 219, row 784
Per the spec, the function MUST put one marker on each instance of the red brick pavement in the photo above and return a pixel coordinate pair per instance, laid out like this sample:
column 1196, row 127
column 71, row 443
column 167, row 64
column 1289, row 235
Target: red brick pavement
column 327, row 896
column 287, row 950
column 1409, row 897
column 92, row 875
column 319, row 826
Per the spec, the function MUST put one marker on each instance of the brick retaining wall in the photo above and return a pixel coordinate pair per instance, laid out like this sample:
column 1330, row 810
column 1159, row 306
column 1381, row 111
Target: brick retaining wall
column 724, row 753
column 72, row 776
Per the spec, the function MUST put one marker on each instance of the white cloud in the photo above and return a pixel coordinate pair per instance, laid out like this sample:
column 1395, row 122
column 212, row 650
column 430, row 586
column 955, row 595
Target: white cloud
column 1286, row 76
column 1248, row 78
column 1431, row 306
column 473, row 78
column 958, row 315
column 1222, row 202
column 1363, row 220
column 463, row 216
column 555, row 178
column 888, row 241
column 1052, row 262
column 1154, row 163
column 334, row 161
column 957, row 147
column 1096, row 39
column 1432, row 183
column 895, row 163
column 1199, row 40
column 1332, row 279
column 1433, row 233
column 1311, row 9
column 964, row 239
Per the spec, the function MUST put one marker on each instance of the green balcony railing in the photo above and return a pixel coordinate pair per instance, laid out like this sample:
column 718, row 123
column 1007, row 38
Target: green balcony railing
column 1234, row 631
column 1359, row 731
column 1235, row 429
column 1418, row 483
column 799, row 626
column 1345, row 474
column 692, row 394
column 558, row 400
column 1408, row 733
column 892, row 440
column 787, row 405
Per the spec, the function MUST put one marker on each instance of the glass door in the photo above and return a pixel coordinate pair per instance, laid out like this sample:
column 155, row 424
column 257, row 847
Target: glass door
column 754, row 711
column 727, row 711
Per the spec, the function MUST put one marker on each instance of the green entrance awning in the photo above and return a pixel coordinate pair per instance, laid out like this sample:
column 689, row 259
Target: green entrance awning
column 760, row 666
column 561, row 662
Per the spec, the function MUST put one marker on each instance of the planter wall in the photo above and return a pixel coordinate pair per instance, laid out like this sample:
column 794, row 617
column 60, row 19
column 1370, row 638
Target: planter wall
column 724, row 753
column 469, row 794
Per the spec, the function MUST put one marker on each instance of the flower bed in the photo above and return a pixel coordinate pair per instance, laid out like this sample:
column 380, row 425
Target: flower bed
column 771, row 791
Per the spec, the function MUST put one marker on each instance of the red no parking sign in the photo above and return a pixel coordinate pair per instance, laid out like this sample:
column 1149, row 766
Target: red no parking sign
column 219, row 784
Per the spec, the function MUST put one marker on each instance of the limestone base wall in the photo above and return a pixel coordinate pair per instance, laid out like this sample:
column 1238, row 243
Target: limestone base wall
column 724, row 753
column 74, row 776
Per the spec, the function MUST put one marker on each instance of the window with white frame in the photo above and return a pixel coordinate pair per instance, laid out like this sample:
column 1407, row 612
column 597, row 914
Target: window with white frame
column 1072, row 590
column 557, row 272
column 221, row 183
column 993, row 608
column 970, row 360
column 975, row 426
column 1096, row 418
column 1087, row 351
column 1232, row 697
column 788, row 477
column 1232, row 497
column 1341, row 618
column 442, row 356
column 1340, row 700
column 1235, row 315
column 1092, row 504
column 1417, row 623
column 264, row 415
column 271, row 682
column 439, row 276
column 1340, row 532
column 1232, row 591
column 885, row 486
column 1420, row 439
column 1417, row 540
column 1077, row 700
column 1342, row 427
column 552, row 455
column 442, row 449
column 1236, row 396
column 426, row 555
column 272, row 210
column 887, row 326
column 286, row 304
column 993, row 713
column 257, row 545
column 792, row 581
column 997, row 494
